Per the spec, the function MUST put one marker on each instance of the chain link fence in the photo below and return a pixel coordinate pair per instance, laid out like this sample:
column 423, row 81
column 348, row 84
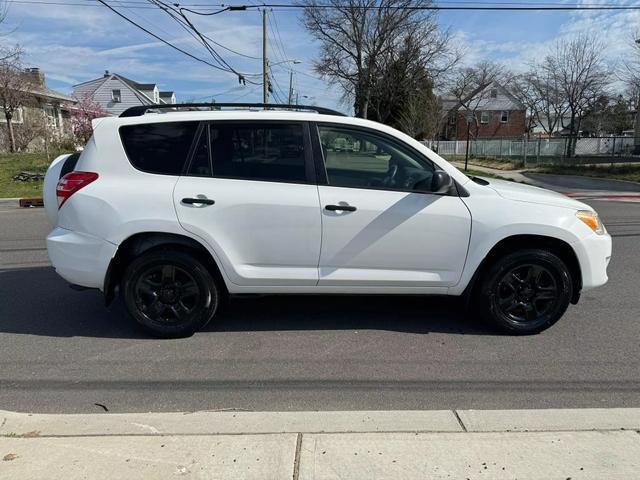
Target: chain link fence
column 544, row 151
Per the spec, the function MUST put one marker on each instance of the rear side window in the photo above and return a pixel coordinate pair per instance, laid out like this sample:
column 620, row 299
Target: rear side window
column 201, row 162
column 258, row 151
column 158, row 147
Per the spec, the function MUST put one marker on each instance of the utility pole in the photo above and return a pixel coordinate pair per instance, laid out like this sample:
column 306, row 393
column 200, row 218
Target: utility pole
column 265, row 62
column 290, row 87
column 636, row 127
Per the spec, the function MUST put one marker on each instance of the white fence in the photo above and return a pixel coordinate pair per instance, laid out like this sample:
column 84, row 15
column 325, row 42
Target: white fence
column 535, row 148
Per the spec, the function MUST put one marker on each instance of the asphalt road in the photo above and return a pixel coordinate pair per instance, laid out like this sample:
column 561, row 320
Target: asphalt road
column 62, row 351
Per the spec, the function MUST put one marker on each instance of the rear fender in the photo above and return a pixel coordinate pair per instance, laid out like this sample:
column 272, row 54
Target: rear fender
column 49, row 190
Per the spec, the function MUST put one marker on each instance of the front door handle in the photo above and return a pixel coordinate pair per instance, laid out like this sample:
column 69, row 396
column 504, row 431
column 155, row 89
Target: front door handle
column 337, row 208
column 198, row 201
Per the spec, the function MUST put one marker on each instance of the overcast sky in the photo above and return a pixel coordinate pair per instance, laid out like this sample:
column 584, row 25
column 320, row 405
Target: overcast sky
column 72, row 44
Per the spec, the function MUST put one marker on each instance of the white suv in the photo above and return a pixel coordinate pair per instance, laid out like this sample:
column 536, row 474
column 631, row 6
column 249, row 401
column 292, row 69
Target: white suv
column 178, row 209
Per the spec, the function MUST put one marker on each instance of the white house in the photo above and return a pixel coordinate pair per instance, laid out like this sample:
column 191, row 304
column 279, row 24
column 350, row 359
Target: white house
column 116, row 93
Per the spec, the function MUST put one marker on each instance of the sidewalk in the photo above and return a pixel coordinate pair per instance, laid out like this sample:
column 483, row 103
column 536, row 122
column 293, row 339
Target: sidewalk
column 575, row 186
column 523, row 444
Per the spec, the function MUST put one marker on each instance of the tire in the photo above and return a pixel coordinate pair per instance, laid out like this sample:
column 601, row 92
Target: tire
column 524, row 292
column 170, row 293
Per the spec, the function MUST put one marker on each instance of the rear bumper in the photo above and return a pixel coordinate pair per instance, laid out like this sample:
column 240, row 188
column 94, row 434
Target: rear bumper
column 594, row 254
column 79, row 258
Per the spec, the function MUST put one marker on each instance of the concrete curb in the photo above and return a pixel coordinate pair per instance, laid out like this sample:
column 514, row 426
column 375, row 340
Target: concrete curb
column 9, row 202
column 227, row 423
column 551, row 420
column 252, row 423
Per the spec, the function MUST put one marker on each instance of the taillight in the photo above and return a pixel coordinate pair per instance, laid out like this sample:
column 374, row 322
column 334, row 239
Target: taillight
column 71, row 183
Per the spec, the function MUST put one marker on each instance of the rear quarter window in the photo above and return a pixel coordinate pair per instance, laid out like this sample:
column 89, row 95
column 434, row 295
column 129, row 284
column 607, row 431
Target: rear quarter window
column 158, row 147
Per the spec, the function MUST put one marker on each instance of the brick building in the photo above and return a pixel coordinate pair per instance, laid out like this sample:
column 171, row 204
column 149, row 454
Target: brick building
column 495, row 113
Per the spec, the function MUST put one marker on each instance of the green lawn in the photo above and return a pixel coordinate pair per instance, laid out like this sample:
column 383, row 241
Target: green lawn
column 617, row 172
column 13, row 163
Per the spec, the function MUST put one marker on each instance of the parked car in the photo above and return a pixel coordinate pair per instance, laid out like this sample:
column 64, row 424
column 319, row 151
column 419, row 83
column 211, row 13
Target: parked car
column 176, row 210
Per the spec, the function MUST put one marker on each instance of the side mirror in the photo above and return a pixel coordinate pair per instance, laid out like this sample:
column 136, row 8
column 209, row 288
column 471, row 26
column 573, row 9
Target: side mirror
column 441, row 182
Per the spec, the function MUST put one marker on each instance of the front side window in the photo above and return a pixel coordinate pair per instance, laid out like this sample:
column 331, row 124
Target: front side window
column 158, row 147
column 258, row 151
column 362, row 158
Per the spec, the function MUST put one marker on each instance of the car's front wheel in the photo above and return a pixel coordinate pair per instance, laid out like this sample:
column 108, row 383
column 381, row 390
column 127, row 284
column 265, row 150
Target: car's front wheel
column 525, row 292
column 170, row 293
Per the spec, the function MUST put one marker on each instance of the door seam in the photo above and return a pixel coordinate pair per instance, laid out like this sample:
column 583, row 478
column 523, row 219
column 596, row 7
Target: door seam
column 321, row 234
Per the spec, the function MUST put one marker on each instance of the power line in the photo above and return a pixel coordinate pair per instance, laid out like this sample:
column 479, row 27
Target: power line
column 180, row 17
column 205, row 39
column 511, row 6
column 460, row 6
column 275, row 33
column 253, row 90
column 232, row 50
column 219, row 94
column 278, row 88
column 157, row 37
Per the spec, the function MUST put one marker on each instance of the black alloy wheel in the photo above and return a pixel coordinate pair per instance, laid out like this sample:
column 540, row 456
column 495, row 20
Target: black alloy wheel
column 170, row 293
column 166, row 293
column 525, row 292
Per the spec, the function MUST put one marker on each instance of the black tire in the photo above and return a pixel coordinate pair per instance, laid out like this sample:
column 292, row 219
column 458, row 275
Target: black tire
column 170, row 293
column 524, row 292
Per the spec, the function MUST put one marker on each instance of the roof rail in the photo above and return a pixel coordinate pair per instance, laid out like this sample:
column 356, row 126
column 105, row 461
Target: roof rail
column 140, row 110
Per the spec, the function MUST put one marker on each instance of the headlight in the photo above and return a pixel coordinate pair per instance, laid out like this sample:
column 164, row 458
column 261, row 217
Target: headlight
column 591, row 220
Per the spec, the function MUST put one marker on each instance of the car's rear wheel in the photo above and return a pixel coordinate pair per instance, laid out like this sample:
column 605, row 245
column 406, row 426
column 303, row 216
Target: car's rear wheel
column 170, row 293
column 525, row 292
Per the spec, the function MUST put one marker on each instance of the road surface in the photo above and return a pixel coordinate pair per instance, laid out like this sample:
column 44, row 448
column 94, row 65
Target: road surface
column 62, row 351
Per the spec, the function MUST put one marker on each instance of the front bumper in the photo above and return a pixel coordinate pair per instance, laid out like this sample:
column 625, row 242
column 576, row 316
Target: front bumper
column 594, row 254
column 80, row 258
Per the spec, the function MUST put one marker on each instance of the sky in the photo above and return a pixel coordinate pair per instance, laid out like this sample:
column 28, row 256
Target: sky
column 75, row 43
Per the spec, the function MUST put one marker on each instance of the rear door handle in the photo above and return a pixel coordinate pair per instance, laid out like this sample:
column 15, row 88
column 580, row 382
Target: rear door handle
column 337, row 208
column 199, row 201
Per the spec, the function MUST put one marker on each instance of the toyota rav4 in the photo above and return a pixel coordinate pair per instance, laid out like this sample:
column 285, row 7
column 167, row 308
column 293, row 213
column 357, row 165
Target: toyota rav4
column 175, row 210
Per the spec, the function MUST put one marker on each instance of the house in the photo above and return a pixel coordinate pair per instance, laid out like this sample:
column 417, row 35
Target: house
column 45, row 115
column 540, row 127
column 494, row 113
column 116, row 93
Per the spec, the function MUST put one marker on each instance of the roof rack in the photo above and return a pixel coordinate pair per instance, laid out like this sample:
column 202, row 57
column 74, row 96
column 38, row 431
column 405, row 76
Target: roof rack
column 140, row 110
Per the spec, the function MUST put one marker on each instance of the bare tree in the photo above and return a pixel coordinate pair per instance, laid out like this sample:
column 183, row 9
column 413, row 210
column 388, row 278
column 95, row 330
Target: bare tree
column 469, row 87
column 31, row 128
column 363, row 40
column 576, row 67
column 629, row 73
column 407, row 73
column 547, row 98
column 15, row 89
column 524, row 87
